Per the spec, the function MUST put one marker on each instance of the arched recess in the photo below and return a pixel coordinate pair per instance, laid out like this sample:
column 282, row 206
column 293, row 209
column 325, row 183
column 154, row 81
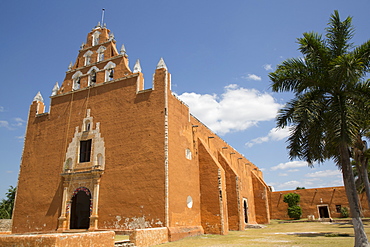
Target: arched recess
column 76, row 80
column 80, row 209
column 87, row 56
column 109, row 71
column 95, row 38
column 92, row 75
column 100, row 52
column 245, row 210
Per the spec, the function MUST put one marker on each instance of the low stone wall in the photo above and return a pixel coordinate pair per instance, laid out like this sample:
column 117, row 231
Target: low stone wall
column 91, row 239
column 176, row 233
column 149, row 237
column 5, row 225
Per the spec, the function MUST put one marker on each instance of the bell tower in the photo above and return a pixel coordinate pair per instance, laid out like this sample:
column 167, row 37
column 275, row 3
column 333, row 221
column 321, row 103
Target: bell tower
column 98, row 61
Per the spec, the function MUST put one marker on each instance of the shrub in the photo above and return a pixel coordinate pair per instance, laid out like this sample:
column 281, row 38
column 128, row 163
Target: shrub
column 344, row 212
column 295, row 212
column 292, row 199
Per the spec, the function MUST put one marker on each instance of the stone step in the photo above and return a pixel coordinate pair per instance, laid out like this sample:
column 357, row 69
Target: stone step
column 123, row 243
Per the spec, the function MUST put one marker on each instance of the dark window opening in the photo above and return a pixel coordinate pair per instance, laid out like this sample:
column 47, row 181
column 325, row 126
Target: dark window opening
column 338, row 208
column 245, row 212
column 85, row 151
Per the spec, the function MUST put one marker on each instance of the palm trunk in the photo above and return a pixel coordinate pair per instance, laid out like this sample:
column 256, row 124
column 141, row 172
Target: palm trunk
column 349, row 184
column 365, row 178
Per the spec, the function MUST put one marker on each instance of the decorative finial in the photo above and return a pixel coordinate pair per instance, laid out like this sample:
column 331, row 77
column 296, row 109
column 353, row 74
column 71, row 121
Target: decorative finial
column 98, row 26
column 70, row 66
column 111, row 36
column 137, row 67
column 82, row 45
column 38, row 97
column 161, row 64
column 123, row 50
column 55, row 89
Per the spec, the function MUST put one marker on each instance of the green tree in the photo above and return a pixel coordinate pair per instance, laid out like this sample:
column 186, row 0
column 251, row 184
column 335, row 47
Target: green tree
column 6, row 205
column 330, row 89
column 292, row 199
column 294, row 211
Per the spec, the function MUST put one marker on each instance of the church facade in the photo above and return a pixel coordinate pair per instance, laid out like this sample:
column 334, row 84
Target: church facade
column 110, row 154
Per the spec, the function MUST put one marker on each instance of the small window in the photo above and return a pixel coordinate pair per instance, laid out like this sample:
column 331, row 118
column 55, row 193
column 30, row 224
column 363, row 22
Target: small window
column 95, row 38
column 87, row 125
column 111, row 74
column 189, row 202
column 188, row 154
column 76, row 83
column 85, row 151
column 338, row 208
column 87, row 60
column 100, row 57
column 92, row 78
column 100, row 52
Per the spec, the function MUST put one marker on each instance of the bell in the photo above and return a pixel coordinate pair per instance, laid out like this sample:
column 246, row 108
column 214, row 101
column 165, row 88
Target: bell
column 93, row 78
column 111, row 73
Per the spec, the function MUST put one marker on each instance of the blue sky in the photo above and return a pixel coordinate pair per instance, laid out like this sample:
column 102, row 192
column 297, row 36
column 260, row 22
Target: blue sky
column 218, row 52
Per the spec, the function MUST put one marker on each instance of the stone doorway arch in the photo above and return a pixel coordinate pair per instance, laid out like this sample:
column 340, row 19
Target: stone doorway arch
column 80, row 209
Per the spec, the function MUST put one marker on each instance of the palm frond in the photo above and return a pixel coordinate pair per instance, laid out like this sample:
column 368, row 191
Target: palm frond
column 338, row 34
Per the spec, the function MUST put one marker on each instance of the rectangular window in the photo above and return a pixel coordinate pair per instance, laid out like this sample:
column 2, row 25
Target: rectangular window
column 85, row 151
column 338, row 208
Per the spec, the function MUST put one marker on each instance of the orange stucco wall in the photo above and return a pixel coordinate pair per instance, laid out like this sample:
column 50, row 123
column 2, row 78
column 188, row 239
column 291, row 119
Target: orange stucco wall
column 311, row 199
column 135, row 156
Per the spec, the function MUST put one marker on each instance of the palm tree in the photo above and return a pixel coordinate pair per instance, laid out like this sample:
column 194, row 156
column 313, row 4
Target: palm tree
column 360, row 164
column 329, row 87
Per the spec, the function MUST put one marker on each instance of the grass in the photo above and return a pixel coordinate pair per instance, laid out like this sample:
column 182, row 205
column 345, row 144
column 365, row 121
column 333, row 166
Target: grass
column 301, row 234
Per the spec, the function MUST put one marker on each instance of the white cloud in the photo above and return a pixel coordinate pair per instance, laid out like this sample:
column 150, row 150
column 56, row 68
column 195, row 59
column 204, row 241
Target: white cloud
column 326, row 173
column 267, row 67
column 18, row 122
column 1, row 108
column 293, row 170
column 289, row 184
column 252, row 77
column 275, row 134
column 283, row 174
column 290, row 164
column 235, row 110
column 4, row 124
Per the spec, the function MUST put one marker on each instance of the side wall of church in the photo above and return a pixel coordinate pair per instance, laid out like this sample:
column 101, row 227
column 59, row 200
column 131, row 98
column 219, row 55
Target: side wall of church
column 184, row 197
column 132, row 185
column 238, row 173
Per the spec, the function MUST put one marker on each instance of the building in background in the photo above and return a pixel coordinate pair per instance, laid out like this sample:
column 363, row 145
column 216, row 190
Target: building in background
column 317, row 204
